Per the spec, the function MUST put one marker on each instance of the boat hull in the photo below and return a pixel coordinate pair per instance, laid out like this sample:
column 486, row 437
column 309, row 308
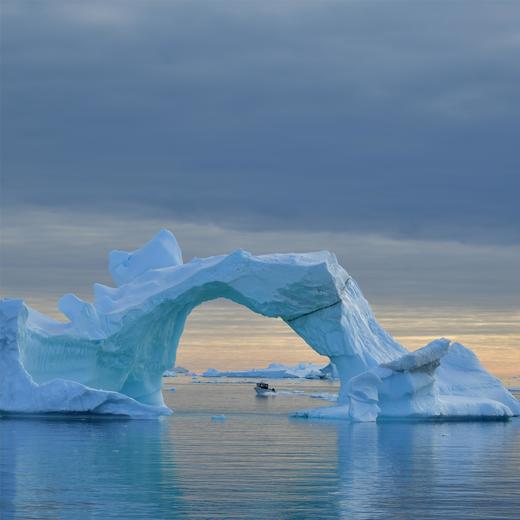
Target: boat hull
column 262, row 392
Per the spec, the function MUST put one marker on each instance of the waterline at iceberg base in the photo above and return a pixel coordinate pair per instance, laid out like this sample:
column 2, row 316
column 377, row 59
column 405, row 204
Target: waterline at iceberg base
column 110, row 356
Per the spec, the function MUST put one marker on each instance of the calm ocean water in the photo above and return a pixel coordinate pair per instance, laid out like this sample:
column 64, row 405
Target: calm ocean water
column 257, row 463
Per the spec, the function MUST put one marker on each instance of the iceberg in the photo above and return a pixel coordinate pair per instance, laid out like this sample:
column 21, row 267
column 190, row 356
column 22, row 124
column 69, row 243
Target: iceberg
column 20, row 394
column 440, row 381
column 111, row 354
column 178, row 371
column 278, row 371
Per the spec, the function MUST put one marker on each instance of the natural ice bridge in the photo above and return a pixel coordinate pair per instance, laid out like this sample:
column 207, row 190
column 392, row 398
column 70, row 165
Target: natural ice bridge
column 110, row 356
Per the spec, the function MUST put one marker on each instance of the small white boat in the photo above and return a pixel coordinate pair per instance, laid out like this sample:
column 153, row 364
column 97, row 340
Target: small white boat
column 264, row 390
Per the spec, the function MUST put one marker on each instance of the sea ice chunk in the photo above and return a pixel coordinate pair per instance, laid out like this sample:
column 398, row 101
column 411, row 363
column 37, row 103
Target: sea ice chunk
column 411, row 387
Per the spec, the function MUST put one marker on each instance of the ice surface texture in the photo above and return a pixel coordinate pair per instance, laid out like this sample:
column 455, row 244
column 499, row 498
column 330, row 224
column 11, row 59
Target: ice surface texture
column 117, row 348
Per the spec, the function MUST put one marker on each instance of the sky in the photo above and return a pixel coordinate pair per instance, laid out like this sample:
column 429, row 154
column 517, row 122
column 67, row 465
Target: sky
column 385, row 131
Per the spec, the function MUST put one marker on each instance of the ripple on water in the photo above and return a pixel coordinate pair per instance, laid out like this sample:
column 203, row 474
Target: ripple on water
column 256, row 463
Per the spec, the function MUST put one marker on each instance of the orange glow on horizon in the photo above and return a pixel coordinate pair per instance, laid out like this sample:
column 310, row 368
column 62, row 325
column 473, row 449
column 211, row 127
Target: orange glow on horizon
column 224, row 335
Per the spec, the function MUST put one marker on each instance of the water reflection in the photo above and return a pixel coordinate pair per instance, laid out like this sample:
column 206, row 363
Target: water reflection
column 85, row 468
column 256, row 464
column 422, row 470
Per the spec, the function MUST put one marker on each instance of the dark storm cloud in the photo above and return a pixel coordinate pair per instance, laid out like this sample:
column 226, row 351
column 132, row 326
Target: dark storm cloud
column 399, row 118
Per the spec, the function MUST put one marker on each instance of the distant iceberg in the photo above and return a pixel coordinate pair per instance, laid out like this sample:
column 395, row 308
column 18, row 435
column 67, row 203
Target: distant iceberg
column 177, row 371
column 111, row 355
column 279, row 371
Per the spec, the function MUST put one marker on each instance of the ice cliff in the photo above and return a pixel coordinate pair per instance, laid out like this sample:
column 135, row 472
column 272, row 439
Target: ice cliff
column 20, row 394
column 111, row 354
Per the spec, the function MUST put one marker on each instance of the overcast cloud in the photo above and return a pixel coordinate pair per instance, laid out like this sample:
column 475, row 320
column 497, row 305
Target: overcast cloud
column 387, row 131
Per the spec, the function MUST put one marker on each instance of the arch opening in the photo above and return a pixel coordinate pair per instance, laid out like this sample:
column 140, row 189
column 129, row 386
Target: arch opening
column 222, row 335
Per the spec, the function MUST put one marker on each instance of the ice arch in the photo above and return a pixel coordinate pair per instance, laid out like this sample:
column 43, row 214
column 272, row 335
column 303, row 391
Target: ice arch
column 127, row 338
column 122, row 342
